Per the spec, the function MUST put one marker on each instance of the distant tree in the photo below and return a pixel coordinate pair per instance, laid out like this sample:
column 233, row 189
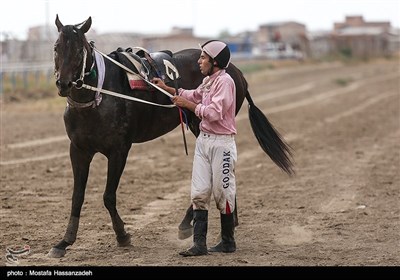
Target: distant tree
column 346, row 52
column 224, row 34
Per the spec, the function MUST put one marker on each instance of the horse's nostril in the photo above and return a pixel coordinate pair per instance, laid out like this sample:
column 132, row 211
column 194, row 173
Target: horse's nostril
column 64, row 85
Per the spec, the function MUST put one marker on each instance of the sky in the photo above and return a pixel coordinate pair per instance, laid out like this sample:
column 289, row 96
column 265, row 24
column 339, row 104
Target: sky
column 208, row 18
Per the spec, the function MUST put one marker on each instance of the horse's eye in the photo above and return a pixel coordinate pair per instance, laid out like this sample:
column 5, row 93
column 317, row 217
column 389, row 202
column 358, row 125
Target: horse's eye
column 80, row 53
column 55, row 51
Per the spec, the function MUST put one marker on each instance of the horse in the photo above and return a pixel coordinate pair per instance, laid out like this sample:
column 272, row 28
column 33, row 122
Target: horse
column 107, row 124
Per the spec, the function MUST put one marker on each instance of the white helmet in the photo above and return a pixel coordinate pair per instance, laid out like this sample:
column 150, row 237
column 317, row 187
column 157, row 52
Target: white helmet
column 219, row 51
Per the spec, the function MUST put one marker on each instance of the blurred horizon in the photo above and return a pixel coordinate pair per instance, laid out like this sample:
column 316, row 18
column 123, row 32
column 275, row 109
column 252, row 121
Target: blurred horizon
column 207, row 18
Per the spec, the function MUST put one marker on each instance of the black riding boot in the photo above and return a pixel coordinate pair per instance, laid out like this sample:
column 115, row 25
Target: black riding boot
column 227, row 244
column 200, row 224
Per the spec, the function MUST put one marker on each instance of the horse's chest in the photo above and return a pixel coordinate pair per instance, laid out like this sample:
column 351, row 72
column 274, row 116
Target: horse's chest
column 92, row 130
column 82, row 127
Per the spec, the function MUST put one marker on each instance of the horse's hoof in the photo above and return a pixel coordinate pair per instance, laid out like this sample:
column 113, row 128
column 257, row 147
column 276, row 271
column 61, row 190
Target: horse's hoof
column 56, row 253
column 124, row 241
column 185, row 233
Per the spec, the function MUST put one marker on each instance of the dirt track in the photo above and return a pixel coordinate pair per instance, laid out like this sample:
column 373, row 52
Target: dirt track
column 342, row 207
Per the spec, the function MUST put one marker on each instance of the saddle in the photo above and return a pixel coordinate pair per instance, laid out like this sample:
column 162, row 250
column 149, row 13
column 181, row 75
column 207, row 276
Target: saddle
column 147, row 66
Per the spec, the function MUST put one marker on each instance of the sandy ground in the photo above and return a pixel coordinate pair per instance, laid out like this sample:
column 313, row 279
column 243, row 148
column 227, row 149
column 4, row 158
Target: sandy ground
column 342, row 208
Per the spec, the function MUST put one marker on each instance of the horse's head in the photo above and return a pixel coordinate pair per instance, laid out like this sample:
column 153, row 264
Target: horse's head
column 71, row 52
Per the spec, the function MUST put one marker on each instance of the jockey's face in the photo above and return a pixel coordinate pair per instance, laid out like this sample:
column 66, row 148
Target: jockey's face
column 205, row 64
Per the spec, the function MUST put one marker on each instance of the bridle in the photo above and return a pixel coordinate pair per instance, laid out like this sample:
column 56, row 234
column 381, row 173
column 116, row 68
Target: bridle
column 79, row 82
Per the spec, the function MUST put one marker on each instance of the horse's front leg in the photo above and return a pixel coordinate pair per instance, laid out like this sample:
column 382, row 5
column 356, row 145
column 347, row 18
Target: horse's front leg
column 80, row 161
column 116, row 165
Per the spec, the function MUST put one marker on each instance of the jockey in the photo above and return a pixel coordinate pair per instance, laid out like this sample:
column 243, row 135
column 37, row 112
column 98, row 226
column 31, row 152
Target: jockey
column 215, row 153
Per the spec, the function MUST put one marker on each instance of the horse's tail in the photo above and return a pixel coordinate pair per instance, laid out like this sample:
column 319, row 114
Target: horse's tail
column 269, row 138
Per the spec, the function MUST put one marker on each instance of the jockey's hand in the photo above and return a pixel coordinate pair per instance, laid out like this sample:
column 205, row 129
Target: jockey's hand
column 179, row 101
column 183, row 103
column 158, row 82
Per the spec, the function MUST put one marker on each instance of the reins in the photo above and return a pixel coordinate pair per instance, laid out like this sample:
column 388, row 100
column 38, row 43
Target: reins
column 80, row 84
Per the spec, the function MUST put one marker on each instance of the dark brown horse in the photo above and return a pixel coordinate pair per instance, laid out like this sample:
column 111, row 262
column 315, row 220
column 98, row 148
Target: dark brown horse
column 109, row 126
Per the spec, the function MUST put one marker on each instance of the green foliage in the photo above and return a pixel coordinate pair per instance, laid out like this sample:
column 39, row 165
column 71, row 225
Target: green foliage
column 255, row 67
column 343, row 81
column 27, row 85
column 224, row 34
column 346, row 53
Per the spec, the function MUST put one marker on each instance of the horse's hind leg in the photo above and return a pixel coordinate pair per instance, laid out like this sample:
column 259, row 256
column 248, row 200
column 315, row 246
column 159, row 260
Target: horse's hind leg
column 185, row 229
column 80, row 161
column 116, row 165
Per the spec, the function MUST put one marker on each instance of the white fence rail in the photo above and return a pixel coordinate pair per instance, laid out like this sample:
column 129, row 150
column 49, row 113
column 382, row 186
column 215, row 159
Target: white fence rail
column 26, row 67
column 24, row 75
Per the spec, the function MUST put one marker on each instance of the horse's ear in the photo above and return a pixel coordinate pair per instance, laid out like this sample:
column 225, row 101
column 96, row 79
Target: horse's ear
column 85, row 27
column 59, row 24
